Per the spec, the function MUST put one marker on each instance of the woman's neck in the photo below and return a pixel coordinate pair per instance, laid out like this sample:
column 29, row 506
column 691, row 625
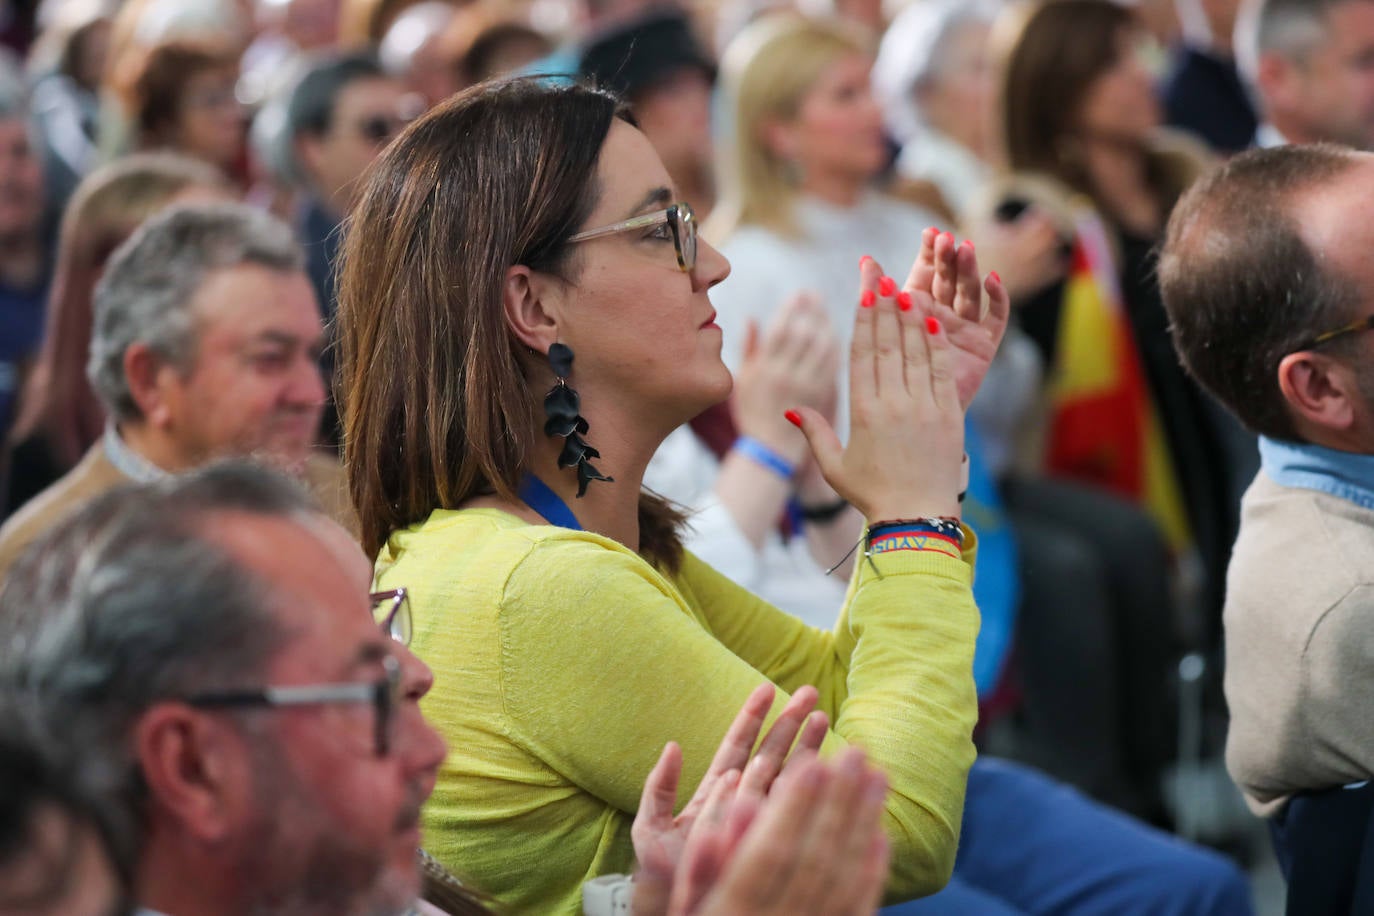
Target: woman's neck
column 1120, row 179
column 609, row 508
column 840, row 190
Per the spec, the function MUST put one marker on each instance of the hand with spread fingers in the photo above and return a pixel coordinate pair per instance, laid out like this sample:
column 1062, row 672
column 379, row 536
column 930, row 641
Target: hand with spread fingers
column 813, row 847
column 793, row 361
column 737, row 772
column 944, row 280
column 906, row 410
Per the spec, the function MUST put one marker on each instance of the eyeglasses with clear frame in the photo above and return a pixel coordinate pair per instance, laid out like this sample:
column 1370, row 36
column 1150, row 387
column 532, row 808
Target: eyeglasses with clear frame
column 385, row 695
column 391, row 611
column 1354, row 327
column 680, row 220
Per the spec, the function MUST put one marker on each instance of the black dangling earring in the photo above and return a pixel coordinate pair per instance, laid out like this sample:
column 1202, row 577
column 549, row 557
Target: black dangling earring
column 563, row 409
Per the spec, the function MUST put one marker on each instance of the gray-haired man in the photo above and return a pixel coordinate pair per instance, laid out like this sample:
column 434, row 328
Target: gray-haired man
column 1311, row 63
column 205, row 344
column 209, row 639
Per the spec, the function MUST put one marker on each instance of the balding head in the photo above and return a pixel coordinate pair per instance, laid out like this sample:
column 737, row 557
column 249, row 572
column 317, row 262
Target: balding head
column 1242, row 282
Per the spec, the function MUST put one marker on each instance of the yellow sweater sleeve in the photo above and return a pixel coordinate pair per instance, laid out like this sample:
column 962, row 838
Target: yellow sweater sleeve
column 603, row 661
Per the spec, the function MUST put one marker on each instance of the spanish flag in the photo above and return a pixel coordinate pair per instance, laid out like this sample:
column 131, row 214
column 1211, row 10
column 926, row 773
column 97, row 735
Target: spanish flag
column 1104, row 425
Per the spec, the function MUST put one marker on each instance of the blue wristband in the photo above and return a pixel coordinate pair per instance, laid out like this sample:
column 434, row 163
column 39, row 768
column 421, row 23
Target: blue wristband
column 761, row 454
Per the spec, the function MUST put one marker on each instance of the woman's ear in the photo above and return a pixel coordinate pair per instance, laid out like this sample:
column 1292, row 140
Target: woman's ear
column 778, row 139
column 530, row 301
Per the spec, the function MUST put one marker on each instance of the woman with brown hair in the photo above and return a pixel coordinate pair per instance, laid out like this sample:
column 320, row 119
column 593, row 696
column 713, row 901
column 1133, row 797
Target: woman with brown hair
column 59, row 415
column 517, row 286
column 183, row 99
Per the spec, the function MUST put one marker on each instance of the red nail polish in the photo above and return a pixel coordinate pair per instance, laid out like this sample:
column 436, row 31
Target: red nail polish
column 867, row 299
column 933, row 325
column 950, row 236
column 904, row 301
column 969, row 243
column 996, row 279
column 864, row 260
column 793, row 417
column 887, row 286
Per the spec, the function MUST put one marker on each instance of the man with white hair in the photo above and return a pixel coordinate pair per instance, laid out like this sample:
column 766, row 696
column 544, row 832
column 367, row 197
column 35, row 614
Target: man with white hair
column 1311, row 63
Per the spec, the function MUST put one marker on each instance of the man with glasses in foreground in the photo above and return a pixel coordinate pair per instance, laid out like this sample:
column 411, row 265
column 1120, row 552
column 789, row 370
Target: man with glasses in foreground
column 210, row 639
column 1269, row 286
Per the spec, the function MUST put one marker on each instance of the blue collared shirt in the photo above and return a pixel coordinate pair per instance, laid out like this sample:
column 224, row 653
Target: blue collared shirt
column 1347, row 475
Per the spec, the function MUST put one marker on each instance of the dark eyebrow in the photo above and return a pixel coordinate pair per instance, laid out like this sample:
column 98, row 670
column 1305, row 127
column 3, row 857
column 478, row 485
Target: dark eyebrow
column 655, row 200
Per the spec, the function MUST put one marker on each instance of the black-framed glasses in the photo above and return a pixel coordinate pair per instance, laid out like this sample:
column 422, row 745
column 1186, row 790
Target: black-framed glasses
column 384, row 695
column 1354, row 327
column 681, row 222
column 391, row 611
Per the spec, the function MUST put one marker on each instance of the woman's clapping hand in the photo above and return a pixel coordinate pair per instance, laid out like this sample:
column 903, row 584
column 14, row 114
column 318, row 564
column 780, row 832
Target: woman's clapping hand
column 779, row 834
column 906, row 422
column 660, row 838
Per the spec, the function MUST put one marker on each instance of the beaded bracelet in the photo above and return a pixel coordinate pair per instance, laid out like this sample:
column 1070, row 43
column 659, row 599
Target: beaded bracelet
column 761, row 454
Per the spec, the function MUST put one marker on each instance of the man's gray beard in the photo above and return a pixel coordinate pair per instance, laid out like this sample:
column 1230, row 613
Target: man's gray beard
column 337, row 879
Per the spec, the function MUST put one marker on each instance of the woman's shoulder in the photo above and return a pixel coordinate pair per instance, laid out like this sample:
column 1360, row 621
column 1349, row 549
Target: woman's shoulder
column 494, row 552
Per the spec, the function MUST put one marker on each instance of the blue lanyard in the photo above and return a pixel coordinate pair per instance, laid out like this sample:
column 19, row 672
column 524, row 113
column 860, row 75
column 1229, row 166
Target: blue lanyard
column 547, row 503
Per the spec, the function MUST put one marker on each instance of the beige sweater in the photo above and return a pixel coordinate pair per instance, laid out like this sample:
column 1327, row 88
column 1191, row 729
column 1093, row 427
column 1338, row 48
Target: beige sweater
column 1299, row 622
column 94, row 474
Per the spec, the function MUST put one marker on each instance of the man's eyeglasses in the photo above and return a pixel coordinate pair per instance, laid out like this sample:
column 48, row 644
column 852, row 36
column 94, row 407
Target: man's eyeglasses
column 391, row 611
column 384, row 695
column 1354, row 327
column 679, row 218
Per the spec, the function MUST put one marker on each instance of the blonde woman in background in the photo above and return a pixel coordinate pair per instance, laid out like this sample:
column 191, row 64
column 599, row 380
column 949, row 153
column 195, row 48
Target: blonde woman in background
column 804, row 146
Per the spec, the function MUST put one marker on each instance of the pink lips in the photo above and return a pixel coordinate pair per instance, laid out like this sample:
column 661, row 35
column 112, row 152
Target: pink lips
column 711, row 322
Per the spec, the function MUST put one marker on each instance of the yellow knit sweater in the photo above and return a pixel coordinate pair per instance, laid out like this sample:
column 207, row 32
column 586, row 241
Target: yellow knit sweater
column 564, row 662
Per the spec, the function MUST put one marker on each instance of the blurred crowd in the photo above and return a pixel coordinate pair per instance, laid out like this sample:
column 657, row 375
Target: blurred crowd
column 181, row 186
